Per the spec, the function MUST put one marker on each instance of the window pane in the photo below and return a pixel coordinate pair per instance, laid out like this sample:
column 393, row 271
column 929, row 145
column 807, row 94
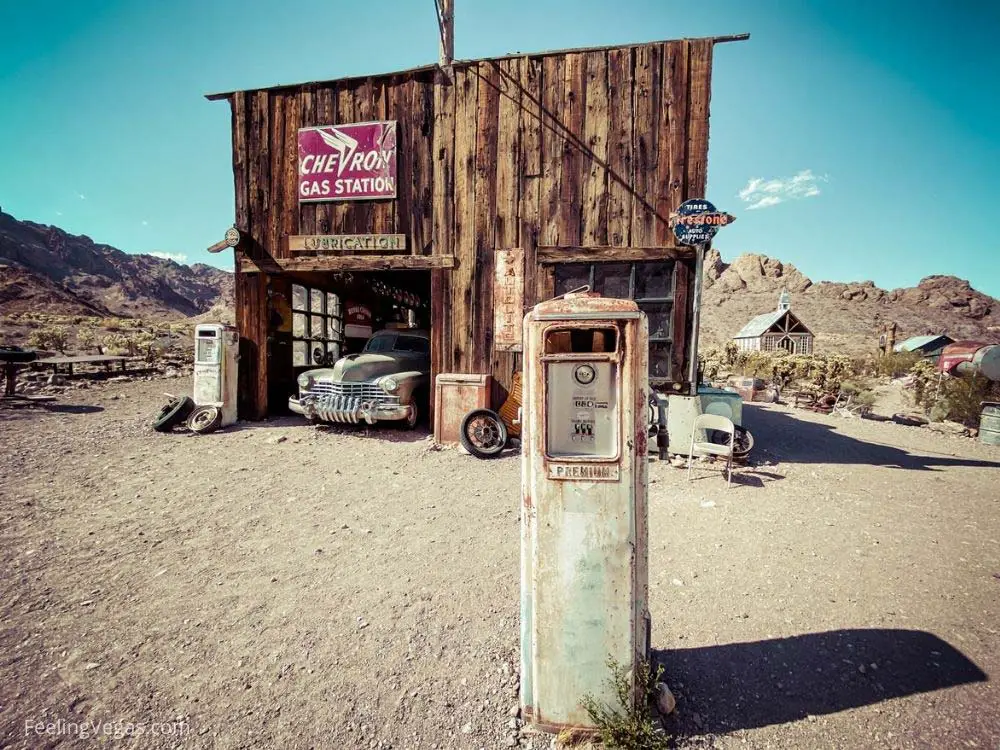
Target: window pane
column 332, row 304
column 659, row 320
column 612, row 279
column 317, row 350
column 654, row 279
column 299, row 325
column 316, row 299
column 299, row 299
column 570, row 276
column 300, row 355
column 659, row 360
column 413, row 344
column 333, row 329
column 317, row 328
column 380, row 343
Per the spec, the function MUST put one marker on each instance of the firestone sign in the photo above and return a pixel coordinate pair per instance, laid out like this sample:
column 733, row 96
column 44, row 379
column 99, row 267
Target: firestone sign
column 347, row 162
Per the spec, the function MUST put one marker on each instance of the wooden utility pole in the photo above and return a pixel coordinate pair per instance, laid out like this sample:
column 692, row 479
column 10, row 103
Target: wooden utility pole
column 446, row 23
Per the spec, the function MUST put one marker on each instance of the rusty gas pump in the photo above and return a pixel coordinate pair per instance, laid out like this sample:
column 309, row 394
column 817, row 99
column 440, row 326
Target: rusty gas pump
column 584, row 552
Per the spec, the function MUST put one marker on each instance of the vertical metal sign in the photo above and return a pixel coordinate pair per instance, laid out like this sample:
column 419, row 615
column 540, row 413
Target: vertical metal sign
column 695, row 223
column 508, row 299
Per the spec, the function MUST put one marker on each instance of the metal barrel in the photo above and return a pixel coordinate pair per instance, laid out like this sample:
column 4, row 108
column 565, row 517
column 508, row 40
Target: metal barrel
column 989, row 423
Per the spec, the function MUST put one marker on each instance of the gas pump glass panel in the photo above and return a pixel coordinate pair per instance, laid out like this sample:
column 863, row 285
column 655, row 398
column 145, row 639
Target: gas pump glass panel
column 582, row 393
column 208, row 348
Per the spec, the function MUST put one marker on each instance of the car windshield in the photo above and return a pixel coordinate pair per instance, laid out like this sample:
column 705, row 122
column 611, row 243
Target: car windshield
column 380, row 343
column 414, row 344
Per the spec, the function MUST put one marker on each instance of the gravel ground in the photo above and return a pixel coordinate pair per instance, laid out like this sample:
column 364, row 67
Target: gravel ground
column 279, row 585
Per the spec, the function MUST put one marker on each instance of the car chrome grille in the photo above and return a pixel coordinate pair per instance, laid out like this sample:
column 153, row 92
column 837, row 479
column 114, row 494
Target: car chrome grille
column 363, row 391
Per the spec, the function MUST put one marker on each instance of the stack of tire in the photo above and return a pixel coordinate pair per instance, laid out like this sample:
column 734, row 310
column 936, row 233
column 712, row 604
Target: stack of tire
column 180, row 409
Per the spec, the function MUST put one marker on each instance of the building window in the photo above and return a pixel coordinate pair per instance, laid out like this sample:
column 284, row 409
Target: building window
column 650, row 284
column 317, row 327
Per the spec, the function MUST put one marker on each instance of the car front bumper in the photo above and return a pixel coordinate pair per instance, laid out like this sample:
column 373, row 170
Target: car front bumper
column 348, row 409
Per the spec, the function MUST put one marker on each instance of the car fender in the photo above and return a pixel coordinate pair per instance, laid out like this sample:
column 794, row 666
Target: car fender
column 409, row 382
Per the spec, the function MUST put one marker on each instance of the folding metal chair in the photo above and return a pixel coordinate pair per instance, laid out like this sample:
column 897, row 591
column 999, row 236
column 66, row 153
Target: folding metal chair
column 712, row 422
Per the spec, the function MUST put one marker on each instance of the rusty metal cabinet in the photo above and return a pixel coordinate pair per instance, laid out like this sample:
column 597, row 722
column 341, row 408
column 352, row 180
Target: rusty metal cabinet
column 456, row 394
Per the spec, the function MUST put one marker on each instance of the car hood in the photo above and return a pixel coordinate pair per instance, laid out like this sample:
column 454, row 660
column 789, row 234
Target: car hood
column 357, row 368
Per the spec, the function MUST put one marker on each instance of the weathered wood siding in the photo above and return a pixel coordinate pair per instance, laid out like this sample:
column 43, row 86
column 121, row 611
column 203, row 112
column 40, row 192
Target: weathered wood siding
column 589, row 149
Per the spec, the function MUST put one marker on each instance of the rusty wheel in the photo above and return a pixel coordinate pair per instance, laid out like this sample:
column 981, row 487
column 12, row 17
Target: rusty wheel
column 483, row 433
column 205, row 419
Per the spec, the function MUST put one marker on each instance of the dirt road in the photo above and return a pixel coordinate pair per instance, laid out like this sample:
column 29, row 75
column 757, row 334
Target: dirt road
column 283, row 586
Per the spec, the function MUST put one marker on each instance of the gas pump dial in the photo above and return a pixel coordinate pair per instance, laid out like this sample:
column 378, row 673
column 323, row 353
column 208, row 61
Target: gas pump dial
column 585, row 374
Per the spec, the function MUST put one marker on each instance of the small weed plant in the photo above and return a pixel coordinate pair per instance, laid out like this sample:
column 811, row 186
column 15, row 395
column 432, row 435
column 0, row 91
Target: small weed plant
column 629, row 725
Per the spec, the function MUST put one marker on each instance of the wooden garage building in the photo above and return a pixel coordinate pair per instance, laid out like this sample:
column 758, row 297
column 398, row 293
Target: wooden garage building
column 559, row 168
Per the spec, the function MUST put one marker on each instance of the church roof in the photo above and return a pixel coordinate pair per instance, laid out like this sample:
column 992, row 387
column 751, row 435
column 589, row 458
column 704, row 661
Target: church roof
column 760, row 325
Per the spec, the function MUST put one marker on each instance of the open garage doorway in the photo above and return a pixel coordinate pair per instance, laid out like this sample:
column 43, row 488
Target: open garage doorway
column 320, row 317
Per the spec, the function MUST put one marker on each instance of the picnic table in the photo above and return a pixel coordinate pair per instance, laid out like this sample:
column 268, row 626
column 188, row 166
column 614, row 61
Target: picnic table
column 84, row 359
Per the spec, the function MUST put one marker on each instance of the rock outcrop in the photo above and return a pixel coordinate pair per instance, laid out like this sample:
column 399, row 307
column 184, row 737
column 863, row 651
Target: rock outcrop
column 49, row 270
column 845, row 316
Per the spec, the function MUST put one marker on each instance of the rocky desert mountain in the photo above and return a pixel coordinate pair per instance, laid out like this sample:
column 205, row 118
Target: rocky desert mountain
column 845, row 317
column 44, row 269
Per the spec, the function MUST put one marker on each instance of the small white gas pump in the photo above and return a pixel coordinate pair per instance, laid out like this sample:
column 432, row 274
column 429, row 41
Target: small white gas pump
column 584, row 552
column 216, row 354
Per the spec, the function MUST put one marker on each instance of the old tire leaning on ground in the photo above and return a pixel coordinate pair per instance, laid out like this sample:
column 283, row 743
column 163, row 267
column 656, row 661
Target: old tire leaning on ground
column 483, row 433
column 175, row 411
column 205, row 419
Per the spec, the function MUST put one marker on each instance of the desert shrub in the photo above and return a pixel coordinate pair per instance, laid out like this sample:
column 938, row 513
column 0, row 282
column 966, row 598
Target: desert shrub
column 144, row 344
column 895, row 365
column 629, row 725
column 959, row 399
column 925, row 383
column 86, row 338
column 50, row 337
column 116, row 343
column 859, row 391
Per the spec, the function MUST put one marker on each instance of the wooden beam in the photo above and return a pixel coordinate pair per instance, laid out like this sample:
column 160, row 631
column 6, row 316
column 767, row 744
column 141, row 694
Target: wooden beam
column 551, row 254
column 446, row 21
column 358, row 263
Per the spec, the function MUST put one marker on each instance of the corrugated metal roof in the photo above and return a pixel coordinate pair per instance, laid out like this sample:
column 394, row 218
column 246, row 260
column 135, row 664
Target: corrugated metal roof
column 759, row 325
column 918, row 342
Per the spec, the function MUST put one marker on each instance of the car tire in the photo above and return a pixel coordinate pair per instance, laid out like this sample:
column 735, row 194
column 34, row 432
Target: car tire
column 173, row 413
column 483, row 433
column 411, row 422
column 205, row 419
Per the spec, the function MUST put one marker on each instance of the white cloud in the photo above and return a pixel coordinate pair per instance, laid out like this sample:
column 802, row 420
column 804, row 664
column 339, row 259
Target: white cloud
column 81, row 196
column 59, row 213
column 761, row 193
column 145, row 223
column 176, row 257
column 767, row 200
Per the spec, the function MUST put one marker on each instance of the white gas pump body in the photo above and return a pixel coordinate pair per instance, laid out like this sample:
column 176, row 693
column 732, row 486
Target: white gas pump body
column 584, row 517
column 216, row 356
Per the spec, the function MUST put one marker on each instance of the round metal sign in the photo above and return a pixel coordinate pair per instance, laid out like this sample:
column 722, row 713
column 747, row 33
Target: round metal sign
column 696, row 221
column 232, row 236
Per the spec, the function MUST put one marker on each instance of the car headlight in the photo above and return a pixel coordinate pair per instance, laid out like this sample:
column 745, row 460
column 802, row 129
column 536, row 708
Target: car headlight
column 389, row 385
column 305, row 381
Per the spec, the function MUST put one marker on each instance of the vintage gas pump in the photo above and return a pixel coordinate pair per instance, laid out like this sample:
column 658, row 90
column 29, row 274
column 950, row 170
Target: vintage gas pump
column 216, row 352
column 584, row 555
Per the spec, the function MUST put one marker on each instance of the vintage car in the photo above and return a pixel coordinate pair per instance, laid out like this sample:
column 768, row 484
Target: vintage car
column 388, row 380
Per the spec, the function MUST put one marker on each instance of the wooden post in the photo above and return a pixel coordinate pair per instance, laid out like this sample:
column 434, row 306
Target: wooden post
column 446, row 21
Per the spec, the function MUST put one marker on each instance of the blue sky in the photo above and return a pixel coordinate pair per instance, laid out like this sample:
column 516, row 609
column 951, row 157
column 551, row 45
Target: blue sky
column 857, row 140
